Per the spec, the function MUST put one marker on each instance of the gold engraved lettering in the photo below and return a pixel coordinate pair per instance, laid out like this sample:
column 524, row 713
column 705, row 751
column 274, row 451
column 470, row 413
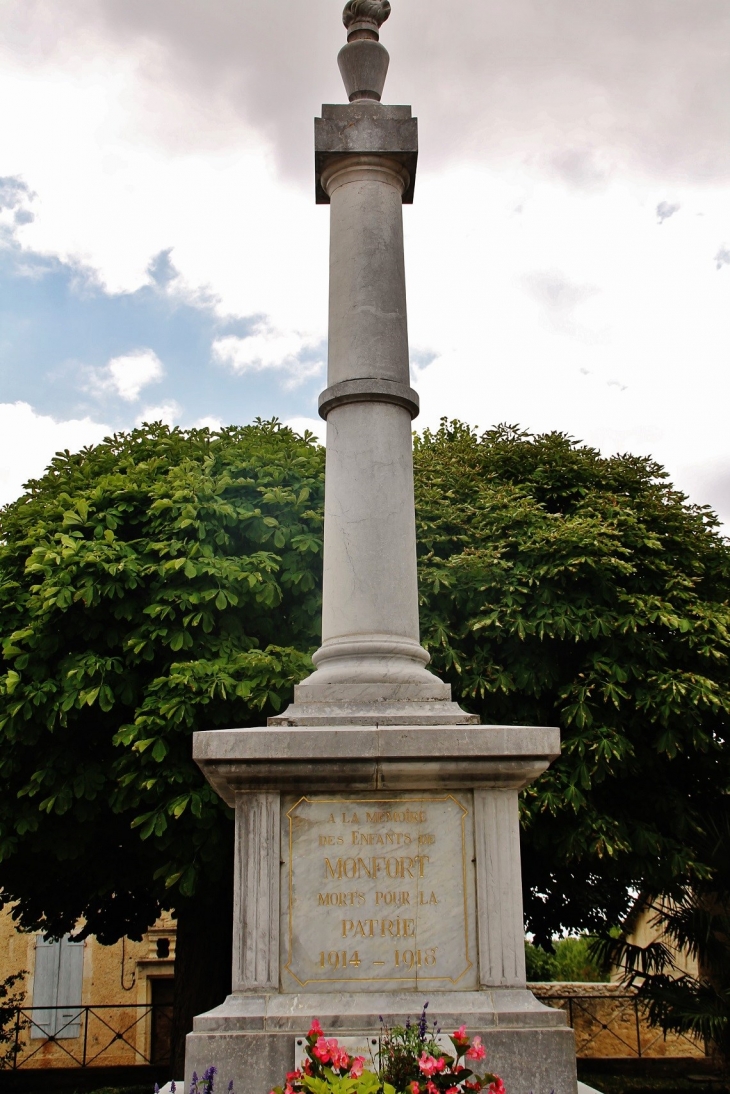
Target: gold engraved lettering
column 341, row 900
column 396, row 816
column 431, row 900
column 386, row 928
column 381, row 839
column 394, row 867
column 354, row 819
column 392, row 897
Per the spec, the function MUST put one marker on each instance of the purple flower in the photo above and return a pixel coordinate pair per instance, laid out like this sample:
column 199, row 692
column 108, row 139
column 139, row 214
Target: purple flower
column 423, row 1024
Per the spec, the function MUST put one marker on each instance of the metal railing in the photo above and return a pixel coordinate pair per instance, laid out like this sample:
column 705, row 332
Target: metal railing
column 614, row 1024
column 90, row 1036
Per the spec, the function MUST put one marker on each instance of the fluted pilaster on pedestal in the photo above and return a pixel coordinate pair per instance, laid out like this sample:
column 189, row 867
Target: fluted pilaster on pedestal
column 256, row 892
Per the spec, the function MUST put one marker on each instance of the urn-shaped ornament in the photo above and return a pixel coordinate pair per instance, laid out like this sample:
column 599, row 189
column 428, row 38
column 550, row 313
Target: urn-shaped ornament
column 363, row 62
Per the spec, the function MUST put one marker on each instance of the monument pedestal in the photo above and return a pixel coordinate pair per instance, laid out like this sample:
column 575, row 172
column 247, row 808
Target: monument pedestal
column 378, row 867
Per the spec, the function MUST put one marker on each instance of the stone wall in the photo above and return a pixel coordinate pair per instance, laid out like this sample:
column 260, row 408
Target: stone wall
column 609, row 1023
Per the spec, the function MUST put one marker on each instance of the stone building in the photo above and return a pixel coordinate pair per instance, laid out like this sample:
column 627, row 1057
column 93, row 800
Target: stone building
column 108, row 1006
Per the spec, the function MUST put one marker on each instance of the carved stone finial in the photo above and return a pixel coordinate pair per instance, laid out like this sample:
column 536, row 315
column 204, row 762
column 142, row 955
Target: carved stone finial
column 364, row 61
column 366, row 11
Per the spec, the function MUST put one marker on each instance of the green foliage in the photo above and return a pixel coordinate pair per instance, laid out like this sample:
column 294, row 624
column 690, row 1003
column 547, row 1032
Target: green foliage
column 167, row 581
column 572, row 961
column 12, row 996
column 562, row 588
column 162, row 582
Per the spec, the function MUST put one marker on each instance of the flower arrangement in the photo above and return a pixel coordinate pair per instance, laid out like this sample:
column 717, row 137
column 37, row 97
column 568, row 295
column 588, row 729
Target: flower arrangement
column 411, row 1061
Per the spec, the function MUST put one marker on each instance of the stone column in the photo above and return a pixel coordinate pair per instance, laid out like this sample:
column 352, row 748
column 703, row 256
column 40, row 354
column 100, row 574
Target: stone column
column 256, row 892
column 371, row 667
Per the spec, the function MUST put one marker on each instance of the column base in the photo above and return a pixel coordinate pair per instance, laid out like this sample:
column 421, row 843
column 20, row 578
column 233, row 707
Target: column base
column 376, row 712
column 251, row 1038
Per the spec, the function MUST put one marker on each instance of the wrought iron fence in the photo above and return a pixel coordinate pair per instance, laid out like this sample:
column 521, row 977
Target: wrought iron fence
column 614, row 1024
column 90, row 1036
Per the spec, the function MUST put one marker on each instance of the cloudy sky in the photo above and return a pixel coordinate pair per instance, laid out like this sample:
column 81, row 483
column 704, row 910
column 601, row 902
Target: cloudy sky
column 568, row 252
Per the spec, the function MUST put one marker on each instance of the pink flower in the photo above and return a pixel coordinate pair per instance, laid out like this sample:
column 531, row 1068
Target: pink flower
column 292, row 1076
column 497, row 1086
column 315, row 1029
column 477, row 1050
column 429, row 1065
column 357, row 1066
column 338, row 1056
column 431, row 1087
column 459, row 1034
column 322, row 1050
column 452, row 1090
column 414, row 1087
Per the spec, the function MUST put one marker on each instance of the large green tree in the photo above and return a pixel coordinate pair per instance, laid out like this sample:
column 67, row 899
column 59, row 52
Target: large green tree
column 158, row 583
column 562, row 588
column 167, row 581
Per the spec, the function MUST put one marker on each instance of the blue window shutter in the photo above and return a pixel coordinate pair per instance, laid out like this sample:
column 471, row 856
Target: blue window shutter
column 70, row 984
column 57, row 982
column 45, row 987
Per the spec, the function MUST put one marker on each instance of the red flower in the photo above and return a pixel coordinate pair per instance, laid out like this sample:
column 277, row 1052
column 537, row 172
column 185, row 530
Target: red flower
column 459, row 1037
column 452, row 1090
column 292, row 1076
column 431, row 1087
column 414, row 1087
column 477, row 1050
column 315, row 1029
column 307, row 1067
column 497, row 1086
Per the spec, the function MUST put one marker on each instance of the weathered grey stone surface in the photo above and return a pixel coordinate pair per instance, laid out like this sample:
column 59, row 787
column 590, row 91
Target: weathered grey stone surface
column 373, row 757
column 372, row 390
column 363, row 66
column 364, row 127
column 256, row 892
column 252, row 1038
column 499, row 885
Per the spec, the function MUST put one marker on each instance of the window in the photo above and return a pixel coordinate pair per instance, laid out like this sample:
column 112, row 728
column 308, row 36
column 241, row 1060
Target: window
column 57, row 984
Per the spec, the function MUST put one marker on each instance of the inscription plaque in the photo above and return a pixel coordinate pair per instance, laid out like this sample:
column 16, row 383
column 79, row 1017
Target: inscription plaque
column 378, row 889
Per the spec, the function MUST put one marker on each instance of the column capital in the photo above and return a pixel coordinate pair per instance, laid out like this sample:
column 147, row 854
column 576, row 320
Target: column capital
column 365, row 128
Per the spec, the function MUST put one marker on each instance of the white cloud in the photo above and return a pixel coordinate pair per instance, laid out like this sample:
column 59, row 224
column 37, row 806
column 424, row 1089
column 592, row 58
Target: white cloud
column 28, row 442
column 130, row 373
column 315, row 425
column 167, row 413
column 267, row 348
column 208, row 422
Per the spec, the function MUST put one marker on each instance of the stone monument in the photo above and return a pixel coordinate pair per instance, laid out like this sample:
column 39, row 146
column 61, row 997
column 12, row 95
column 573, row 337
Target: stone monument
column 377, row 832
